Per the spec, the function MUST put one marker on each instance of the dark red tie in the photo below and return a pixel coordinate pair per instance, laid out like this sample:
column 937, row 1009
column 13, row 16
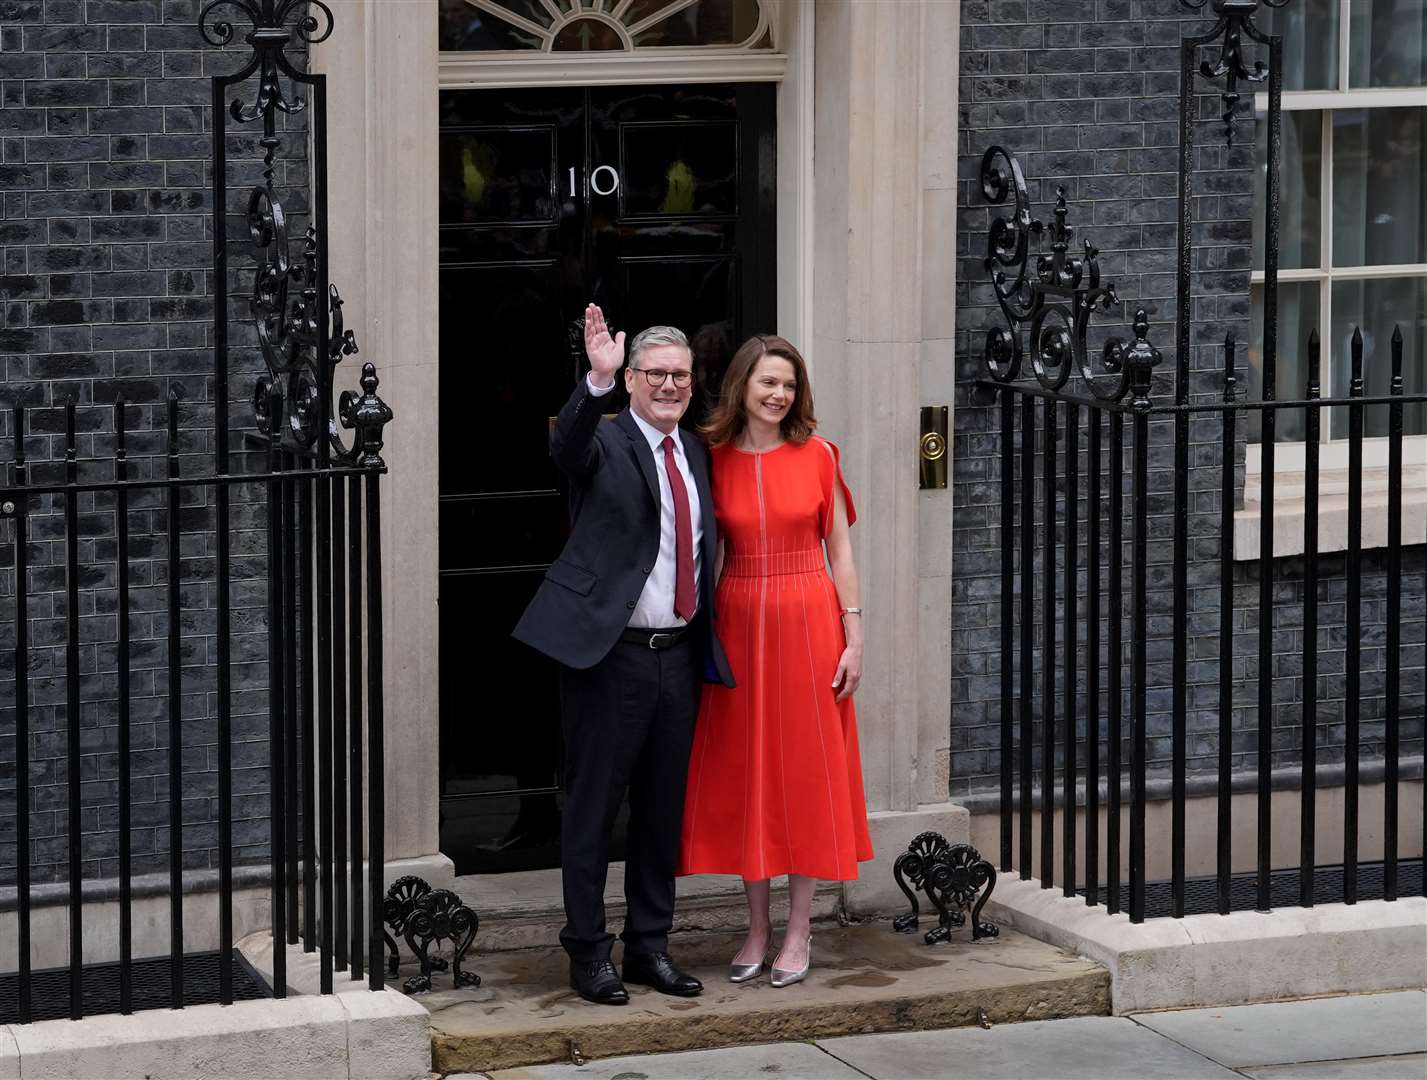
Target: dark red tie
column 685, row 601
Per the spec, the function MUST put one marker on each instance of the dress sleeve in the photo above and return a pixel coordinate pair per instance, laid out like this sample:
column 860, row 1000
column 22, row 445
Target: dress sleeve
column 833, row 476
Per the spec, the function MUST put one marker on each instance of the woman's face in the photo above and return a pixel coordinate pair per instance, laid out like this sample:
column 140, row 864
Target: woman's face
column 772, row 386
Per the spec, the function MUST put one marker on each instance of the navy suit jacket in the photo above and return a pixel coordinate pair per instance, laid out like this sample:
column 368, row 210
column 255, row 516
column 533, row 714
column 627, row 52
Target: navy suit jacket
column 585, row 601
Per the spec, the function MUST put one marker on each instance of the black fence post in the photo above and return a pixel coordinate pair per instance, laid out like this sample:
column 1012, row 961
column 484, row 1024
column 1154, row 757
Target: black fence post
column 290, row 638
column 1141, row 361
column 1138, row 646
column 22, row 713
column 175, row 720
column 376, row 756
column 72, row 724
column 306, row 622
column 1115, row 654
column 1092, row 665
column 1008, row 585
column 1072, row 528
column 1225, row 799
column 121, row 530
column 354, row 702
column 1049, row 438
column 1270, row 362
column 1308, row 748
column 1353, row 704
column 1028, row 620
column 1392, row 720
column 277, row 716
column 337, row 485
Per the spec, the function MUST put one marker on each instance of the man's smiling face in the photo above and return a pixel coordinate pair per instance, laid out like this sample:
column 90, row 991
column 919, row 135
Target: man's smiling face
column 662, row 406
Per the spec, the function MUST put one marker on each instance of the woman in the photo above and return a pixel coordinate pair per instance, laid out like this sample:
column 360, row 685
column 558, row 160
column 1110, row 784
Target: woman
column 775, row 779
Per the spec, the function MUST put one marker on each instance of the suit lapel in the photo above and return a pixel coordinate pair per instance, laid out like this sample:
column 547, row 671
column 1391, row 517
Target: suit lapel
column 639, row 445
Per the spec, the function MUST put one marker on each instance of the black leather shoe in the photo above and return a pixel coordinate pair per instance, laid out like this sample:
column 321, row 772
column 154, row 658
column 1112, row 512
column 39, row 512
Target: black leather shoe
column 598, row 982
column 658, row 970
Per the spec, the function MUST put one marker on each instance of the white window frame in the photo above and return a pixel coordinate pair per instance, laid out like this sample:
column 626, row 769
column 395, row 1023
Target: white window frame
column 634, row 65
column 1290, row 457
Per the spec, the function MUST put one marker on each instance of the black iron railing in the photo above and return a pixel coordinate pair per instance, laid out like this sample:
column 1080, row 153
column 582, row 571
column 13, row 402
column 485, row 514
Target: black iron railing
column 315, row 497
column 316, row 663
column 1054, row 296
column 290, row 486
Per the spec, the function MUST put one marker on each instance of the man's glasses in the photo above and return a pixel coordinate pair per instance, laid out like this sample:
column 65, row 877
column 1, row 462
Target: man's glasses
column 656, row 378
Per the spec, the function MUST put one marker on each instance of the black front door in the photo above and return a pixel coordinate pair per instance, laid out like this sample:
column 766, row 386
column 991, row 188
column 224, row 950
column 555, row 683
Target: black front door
column 656, row 203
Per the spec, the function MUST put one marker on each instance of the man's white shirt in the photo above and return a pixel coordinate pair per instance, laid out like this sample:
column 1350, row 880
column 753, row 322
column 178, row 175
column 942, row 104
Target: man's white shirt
column 655, row 607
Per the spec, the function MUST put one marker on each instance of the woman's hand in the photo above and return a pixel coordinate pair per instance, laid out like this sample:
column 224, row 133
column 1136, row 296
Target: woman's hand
column 849, row 672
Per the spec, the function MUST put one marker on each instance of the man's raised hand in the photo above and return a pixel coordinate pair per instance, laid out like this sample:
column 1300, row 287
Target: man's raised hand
column 606, row 353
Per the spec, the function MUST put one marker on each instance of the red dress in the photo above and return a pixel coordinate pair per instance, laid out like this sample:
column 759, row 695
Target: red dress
column 775, row 778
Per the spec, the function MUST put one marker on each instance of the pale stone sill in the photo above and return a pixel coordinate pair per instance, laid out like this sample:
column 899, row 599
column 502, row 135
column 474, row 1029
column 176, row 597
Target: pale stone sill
column 1289, row 508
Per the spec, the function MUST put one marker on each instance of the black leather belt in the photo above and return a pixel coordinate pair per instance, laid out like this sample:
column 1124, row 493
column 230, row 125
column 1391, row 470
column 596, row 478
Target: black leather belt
column 654, row 639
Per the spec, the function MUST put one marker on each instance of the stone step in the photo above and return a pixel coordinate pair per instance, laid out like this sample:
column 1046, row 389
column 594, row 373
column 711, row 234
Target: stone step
column 525, row 910
column 864, row 979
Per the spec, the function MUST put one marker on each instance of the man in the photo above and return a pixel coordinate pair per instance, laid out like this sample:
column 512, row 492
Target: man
column 627, row 610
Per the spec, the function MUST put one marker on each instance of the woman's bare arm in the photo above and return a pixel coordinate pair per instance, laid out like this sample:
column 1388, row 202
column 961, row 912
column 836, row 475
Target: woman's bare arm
column 844, row 579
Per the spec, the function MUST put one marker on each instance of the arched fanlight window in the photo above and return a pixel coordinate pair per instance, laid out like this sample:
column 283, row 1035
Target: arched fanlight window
column 602, row 25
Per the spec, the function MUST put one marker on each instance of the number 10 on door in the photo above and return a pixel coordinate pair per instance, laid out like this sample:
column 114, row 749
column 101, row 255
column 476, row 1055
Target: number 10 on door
column 603, row 181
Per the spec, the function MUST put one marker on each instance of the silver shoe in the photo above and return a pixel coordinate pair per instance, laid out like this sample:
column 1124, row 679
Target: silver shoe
column 738, row 973
column 778, row 977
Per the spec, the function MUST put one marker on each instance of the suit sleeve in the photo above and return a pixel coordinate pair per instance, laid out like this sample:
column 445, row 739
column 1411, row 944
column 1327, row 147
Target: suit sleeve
column 572, row 441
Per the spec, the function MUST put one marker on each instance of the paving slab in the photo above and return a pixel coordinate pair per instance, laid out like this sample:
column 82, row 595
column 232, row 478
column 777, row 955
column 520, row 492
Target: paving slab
column 1291, row 1032
column 1086, row 1048
column 1396, row 1067
column 785, row 1061
column 864, row 979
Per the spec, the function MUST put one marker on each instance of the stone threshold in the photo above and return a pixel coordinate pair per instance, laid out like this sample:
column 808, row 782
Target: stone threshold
column 525, row 910
column 865, row 978
column 1236, row 959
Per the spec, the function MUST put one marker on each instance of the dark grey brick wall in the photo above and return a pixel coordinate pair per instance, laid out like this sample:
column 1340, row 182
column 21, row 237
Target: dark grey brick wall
column 107, row 291
column 1085, row 92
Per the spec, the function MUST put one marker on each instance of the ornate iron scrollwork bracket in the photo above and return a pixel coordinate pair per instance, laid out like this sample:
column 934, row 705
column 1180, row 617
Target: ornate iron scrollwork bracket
column 424, row 917
column 957, row 881
column 1236, row 21
column 296, row 310
column 1055, row 300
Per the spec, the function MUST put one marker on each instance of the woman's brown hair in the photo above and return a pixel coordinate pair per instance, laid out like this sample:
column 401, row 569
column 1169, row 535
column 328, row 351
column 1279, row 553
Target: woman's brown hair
column 727, row 420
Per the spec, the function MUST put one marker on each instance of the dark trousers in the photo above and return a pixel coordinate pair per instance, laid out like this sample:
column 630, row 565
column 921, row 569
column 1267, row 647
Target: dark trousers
column 629, row 725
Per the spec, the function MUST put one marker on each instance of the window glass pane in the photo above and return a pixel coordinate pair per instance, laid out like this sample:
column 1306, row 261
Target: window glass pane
column 1377, row 306
column 639, row 10
column 497, row 176
column 704, row 22
column 466, row 28
column 1300, row 191
column 1297, row 318
column 1310, row 43
column 680, row 169
column 1378, row 164
column 587, row 35
column 1387, row 43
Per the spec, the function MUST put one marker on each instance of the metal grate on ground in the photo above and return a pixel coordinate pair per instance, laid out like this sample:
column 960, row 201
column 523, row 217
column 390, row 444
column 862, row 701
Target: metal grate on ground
column 1201, row 895
column 49, row 989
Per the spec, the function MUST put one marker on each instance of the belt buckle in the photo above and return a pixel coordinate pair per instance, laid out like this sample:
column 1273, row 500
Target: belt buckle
column 655, row 637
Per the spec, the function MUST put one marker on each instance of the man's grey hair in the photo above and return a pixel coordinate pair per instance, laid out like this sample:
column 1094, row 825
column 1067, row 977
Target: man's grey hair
column 657, row 335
